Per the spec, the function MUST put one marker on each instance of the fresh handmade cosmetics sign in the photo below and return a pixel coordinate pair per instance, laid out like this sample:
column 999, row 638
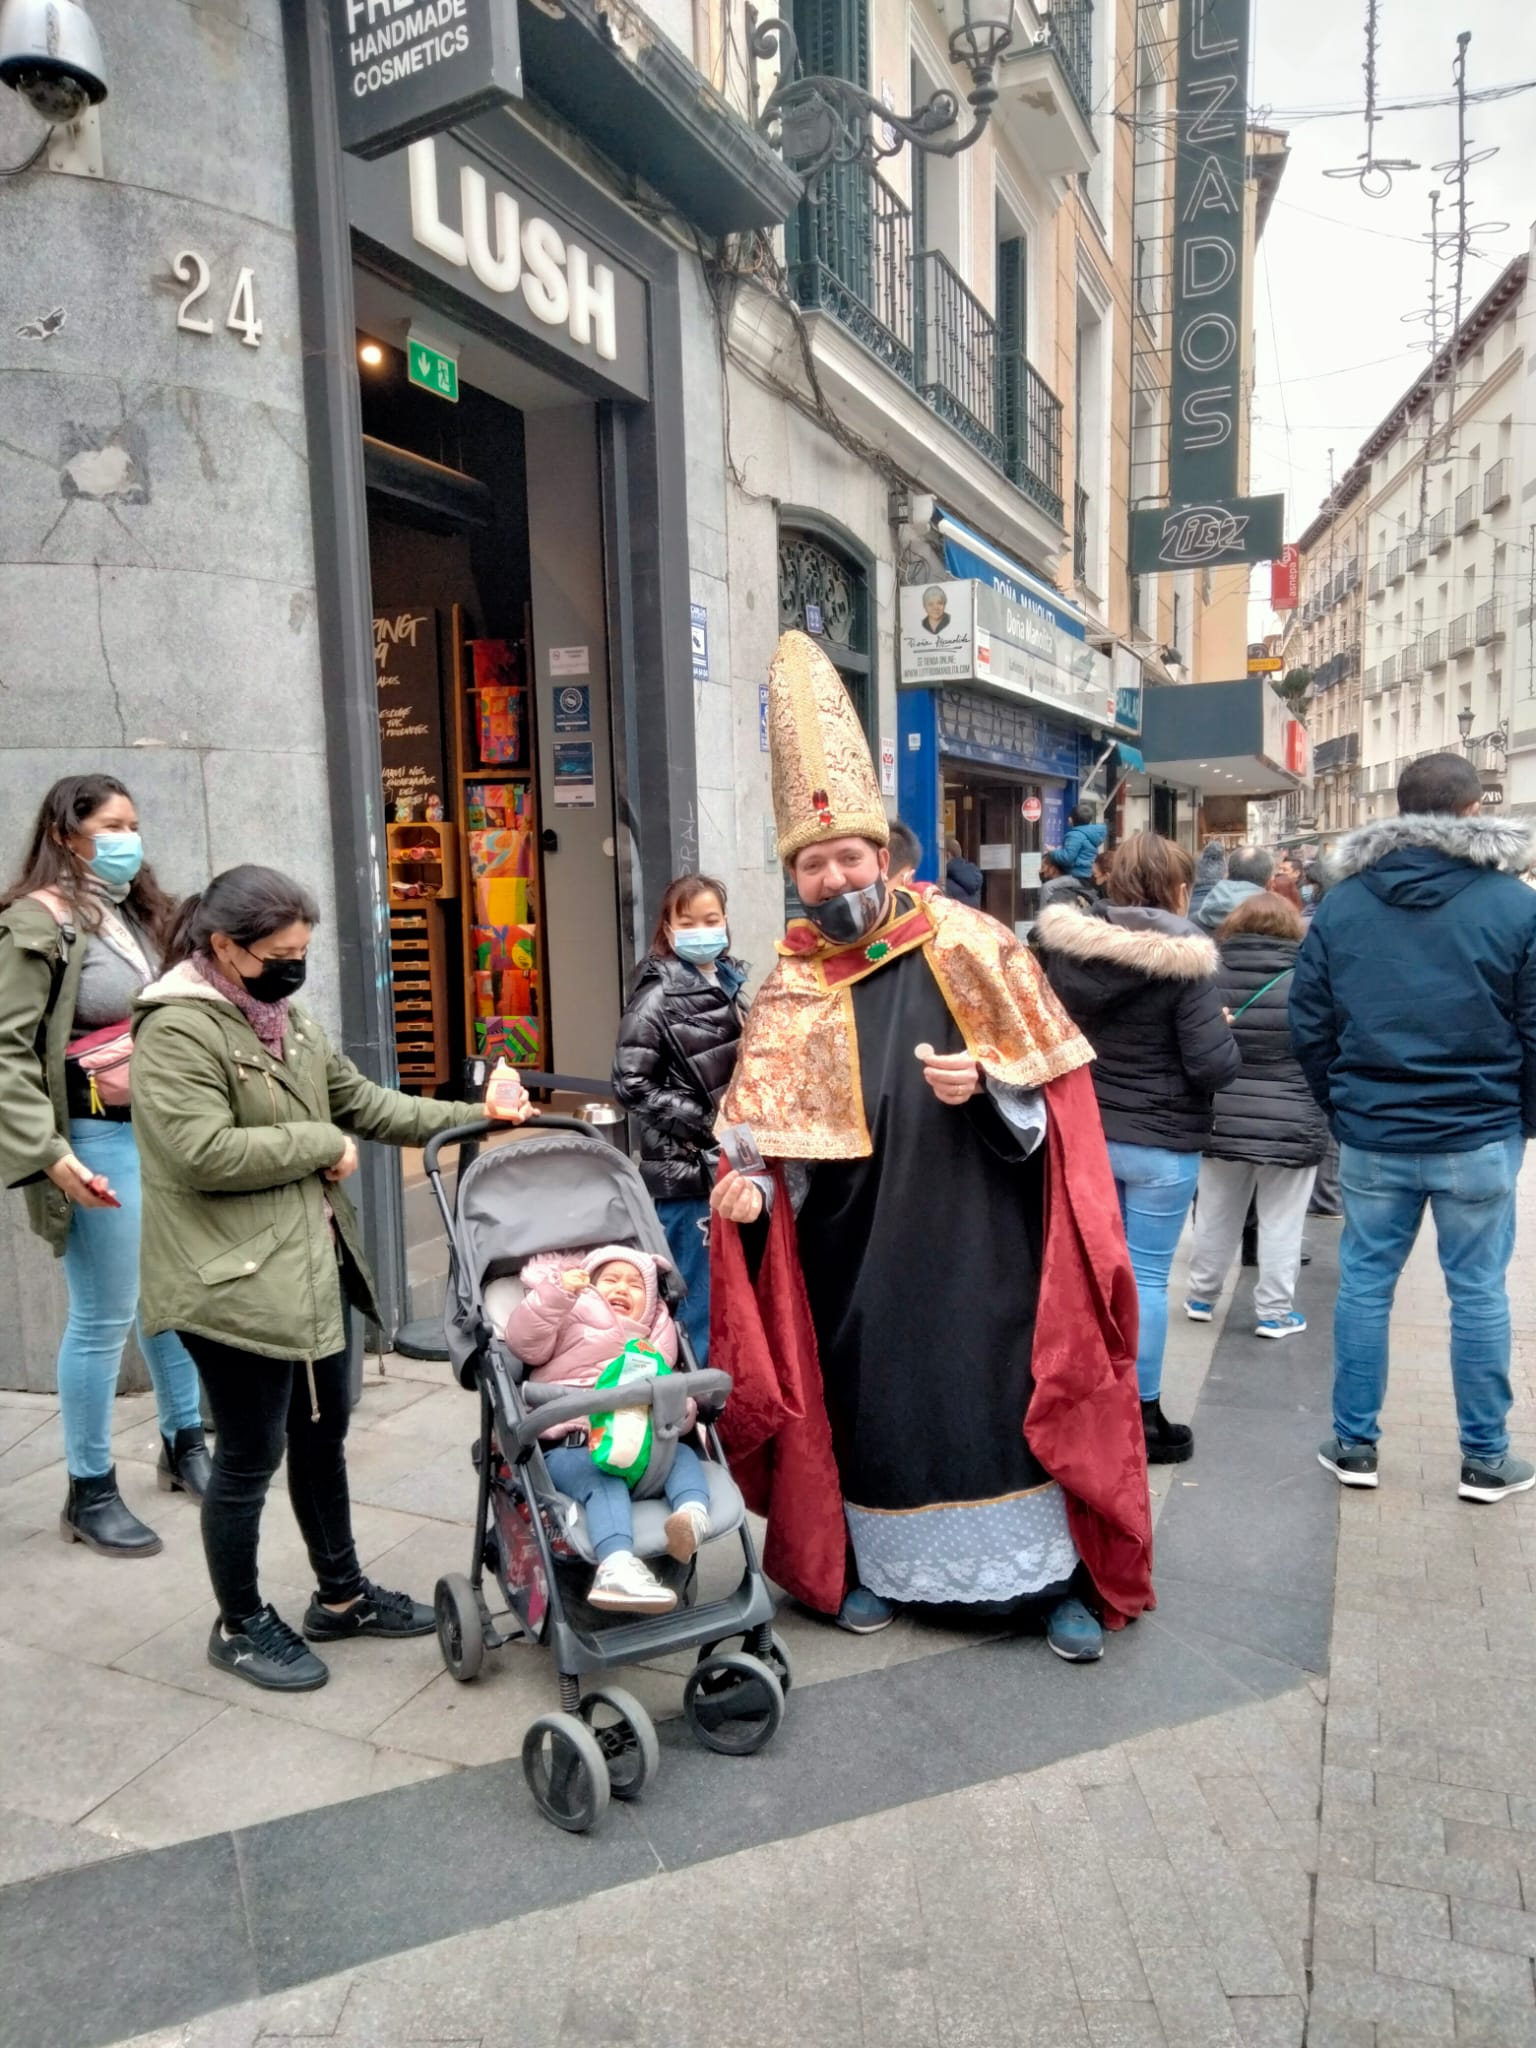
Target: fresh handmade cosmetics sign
column 1206, row 523
column 405, row 68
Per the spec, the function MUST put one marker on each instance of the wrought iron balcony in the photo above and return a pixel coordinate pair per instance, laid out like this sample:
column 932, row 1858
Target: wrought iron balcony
column 1496, row 484
column 1342, row 752
column 1029, row 419
column 1434, row 649
column 957, row 354
column 1388, row 672
column 1352, row 574
column 1395, row 565
column 1466, row 508
column 1490, row 625
column 1411, row 663
column 1440, row 530
column 1069, row 29
column 1460, row 638
column 1375, row 582
column 1415, row 548
column 849, row 254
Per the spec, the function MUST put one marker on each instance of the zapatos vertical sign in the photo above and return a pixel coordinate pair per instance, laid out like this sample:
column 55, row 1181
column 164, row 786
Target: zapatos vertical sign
column 1208, row 190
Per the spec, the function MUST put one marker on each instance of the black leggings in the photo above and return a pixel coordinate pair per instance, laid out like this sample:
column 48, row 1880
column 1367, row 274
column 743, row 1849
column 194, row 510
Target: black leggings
column 257, row 1403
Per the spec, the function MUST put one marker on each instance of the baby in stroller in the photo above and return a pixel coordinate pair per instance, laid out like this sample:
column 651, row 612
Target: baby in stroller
column 579, row 1313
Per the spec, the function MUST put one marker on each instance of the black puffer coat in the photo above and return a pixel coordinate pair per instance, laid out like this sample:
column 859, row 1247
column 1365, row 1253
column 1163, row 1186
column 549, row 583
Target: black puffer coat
column 676, row 1053
column 1267, row 1116
column 1141, row 986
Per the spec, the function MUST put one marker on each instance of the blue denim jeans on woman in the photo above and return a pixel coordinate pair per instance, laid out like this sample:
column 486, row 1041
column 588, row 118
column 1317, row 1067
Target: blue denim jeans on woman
column 1155, row 1188
column 1472, row 1198
column 101, row 1269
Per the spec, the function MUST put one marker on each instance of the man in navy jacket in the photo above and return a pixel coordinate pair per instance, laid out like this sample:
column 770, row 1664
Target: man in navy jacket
column 1413, row 1014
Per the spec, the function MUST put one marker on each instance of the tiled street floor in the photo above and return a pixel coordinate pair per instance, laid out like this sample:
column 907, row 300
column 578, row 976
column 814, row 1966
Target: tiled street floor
column 951, row 1841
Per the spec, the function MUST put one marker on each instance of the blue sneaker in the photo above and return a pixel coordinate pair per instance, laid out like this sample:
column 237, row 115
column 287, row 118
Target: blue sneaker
column 1073, row 1633
column 1290, row 1325
column 1492, row 1478
column 864, row 1613
column 1350, row 1464
column 1199, row 1311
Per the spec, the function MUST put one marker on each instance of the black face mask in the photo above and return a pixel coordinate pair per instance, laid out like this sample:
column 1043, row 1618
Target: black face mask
column 849, row 916
column 277, row 980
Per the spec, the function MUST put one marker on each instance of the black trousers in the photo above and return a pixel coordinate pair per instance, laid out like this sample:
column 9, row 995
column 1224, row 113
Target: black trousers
column 258, row 1404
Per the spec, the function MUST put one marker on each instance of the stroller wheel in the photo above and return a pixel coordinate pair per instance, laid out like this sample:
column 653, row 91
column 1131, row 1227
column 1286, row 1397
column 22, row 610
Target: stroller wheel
column 460, row 1632
column 566, row 1772
column 733, row 1703
column 626, row 1735
column 775, row 1655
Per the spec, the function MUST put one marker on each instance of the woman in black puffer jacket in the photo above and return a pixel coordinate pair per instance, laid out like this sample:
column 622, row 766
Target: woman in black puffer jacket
column 1140, row 983
column 1269, row 1134
column 678, row 1040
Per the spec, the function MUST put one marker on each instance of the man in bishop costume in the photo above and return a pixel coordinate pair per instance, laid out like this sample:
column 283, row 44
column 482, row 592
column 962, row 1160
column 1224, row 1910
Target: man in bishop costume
column 926, row 1301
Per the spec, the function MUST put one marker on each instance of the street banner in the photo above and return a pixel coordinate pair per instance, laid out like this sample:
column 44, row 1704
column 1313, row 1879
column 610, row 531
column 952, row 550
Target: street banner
column 1285, row 579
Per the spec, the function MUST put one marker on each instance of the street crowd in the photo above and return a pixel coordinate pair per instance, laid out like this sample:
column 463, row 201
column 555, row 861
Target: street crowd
column 924, row 1185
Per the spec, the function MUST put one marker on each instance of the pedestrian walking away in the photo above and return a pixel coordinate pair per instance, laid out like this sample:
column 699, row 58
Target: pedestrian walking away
column 924, row 1298
column 248, row 1120
column 81, row 933
column 1210, row 868
column 1084, row 842
column 1413, row 1011
column 1057, row 886
column 1140, row 981
column 963, row 880
column 1267, row 1132
column 677, row 1047
column 1250, row 869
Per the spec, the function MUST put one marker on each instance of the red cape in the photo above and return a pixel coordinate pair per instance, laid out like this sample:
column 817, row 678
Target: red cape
column 1084, row 1420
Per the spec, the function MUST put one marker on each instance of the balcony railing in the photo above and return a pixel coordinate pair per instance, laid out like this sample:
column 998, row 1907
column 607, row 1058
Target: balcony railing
column 1410, row 663
column 1460, row 640
column 1029, row 420
column 1490, row 625
column 1370, row 683
column 1395, row 566
column 1388, row 672
column 1440, row 530
column 1496, row 484
column 850, row 255
column 1351, row 574
column 1069, row 30
column 1342, row 752
column 1375, row 582
column 1079, row 534
column 1434, row 649
column 1415, row 548
column 1466, row 509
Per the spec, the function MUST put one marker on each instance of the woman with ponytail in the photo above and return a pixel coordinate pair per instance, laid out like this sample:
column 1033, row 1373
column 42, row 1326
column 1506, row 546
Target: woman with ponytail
column 82, row 930
column 249, row 1120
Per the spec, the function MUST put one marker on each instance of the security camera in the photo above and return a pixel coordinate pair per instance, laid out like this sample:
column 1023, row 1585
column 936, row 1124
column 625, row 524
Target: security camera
column 50, row 54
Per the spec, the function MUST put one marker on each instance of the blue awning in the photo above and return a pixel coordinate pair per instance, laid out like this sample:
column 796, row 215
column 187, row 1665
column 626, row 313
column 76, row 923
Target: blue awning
column 968, row 554
column 1131, row 762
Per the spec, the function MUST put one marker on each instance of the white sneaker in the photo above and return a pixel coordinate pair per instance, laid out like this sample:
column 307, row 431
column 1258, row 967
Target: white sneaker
column 626, row 1585
column 686, row 1530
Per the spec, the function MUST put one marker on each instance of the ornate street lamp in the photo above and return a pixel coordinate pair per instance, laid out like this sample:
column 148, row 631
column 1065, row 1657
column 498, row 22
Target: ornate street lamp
column 818, row 121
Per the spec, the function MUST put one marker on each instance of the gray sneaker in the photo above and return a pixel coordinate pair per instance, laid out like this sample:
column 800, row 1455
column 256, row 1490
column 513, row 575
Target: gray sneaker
column 1493, row 1478
column 1350, row 1464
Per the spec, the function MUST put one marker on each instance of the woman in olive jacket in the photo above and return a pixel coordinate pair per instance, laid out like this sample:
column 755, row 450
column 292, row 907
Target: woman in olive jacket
column 678, row 1041
column 247, row 1119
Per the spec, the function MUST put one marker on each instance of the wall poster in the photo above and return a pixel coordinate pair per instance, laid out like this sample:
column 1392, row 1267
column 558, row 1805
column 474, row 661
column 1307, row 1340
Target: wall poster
column 405, row 660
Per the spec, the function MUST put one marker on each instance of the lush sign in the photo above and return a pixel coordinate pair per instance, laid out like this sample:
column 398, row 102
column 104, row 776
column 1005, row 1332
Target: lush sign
column 411, row 67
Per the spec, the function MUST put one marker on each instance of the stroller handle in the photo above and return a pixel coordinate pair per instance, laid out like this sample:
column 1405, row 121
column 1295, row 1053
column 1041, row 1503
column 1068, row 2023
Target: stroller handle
column 468, row 1134
column 709, row 1387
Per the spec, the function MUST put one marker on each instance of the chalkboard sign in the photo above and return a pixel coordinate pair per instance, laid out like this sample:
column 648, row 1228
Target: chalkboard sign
column 410, row 713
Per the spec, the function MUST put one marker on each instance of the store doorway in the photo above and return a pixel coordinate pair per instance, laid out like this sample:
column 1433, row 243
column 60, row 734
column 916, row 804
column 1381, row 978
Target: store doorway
column 1001, row 821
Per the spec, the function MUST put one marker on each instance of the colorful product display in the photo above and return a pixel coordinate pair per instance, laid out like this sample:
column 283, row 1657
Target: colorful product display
column 503, row 710
column 504, row 939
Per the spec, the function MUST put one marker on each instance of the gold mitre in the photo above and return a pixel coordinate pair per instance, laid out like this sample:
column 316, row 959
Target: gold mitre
column 824, row 784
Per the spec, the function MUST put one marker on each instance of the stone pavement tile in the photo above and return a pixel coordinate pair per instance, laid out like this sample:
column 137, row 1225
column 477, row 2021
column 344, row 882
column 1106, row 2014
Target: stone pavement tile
column 1365, row 1904
column 1282, row 1890
column 1172, row 1792
column 247, row 1767
column 1270, row 2022
column 1467, row 1877
column 896, row 1997
column 1486, row 1926
column 1155, row 1904
column 1415, row 1759
column 72, row 1734
column 1483, row 1971
column 33, row 1503
column 1124, row 2023
column 1490, row 1845
column 1349, row 1836
column 441, row 1488
column 1522, row 1812
column 1334, row 2030
column 30, row 1441
column 1093, row 1922
column 1190, row 2001
column 1340, row 1993
column 1243, row 1813
column 1046, row 2024
column 1246, row 1958
column 1335, row 1943
column 42, row 1575
column 1123, row 1820
column 1493, row 2023
column 29, row 1847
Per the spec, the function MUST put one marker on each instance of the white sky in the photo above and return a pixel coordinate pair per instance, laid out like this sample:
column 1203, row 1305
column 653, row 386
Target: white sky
column 1337, row 270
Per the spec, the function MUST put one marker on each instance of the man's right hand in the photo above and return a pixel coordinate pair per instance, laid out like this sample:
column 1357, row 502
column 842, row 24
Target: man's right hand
column 737, row 1199
column 77, row 1183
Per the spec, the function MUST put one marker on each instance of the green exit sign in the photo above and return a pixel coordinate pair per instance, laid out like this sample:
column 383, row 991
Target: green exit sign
column 433, row 371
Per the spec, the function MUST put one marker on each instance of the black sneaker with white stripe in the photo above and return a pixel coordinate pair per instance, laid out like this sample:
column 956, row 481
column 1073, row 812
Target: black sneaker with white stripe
column 378, row 1613
column 1350, row 1464
column 265, row 1651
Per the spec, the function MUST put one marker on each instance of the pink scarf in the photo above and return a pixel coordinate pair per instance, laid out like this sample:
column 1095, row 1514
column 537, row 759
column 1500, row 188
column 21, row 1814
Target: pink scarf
column 269, row 1021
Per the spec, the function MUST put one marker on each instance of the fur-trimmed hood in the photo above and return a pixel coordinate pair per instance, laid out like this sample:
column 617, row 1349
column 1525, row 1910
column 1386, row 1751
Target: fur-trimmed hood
column 181, row 984
column 1482, row 842
column 1149, row 944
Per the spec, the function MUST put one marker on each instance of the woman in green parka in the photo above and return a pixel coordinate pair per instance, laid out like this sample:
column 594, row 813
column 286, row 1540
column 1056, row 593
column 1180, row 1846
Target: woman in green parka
column 247, row 1120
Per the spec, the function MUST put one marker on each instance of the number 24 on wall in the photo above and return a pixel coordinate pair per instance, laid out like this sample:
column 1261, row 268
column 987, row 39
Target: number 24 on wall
column 190, row 268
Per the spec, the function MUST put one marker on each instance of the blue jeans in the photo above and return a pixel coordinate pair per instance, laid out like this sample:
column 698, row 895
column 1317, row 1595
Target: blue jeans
column 606, row 1498
column 1472, row 1197
column 687, row 1228
column 101, row 1268
column 1155, row 1188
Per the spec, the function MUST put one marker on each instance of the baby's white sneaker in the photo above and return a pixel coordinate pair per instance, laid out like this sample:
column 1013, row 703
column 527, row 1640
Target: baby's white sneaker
column 686, row 1530
column 625, row 1584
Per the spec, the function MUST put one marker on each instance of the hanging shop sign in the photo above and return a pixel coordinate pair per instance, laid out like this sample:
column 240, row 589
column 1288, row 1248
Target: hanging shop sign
column 406, row 68
column 469, row 223
column 1206, row 524
column 1285, row 579
column 972, row 632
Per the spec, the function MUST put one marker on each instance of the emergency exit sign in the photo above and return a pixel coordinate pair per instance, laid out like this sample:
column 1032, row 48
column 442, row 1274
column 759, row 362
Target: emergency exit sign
column 433, row 371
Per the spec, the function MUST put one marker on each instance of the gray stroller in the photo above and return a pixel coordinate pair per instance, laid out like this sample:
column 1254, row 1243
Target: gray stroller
column 556, row 1185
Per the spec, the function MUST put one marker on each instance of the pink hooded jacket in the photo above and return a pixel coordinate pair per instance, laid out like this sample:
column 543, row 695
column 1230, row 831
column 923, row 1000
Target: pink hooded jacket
column 571, row 1337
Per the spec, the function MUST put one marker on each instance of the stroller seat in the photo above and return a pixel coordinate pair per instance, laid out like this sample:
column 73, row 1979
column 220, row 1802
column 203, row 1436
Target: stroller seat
column 726, row 1507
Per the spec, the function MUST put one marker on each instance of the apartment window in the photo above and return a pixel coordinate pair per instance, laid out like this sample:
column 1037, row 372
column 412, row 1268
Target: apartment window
column 1088, row 446
column 833, row 36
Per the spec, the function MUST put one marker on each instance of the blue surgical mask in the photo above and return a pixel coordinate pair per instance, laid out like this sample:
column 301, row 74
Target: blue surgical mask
column 700, row 944
column 116, row 858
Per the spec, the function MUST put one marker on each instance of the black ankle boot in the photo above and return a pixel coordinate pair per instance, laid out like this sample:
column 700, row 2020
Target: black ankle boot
column 97, row 1515
column 1168, row 1443
column 185, row 1466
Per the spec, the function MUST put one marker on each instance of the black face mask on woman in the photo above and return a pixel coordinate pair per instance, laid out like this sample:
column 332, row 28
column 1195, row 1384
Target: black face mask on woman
column 849, row 916
column 277, row 980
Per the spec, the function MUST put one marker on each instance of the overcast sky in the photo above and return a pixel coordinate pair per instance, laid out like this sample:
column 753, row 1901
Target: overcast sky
column 1337, row 270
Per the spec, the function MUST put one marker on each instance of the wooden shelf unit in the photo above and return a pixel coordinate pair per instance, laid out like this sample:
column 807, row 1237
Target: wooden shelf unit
column 419, row 975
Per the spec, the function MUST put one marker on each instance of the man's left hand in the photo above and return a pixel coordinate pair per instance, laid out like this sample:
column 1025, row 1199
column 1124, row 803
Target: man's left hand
column 953, row 1076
